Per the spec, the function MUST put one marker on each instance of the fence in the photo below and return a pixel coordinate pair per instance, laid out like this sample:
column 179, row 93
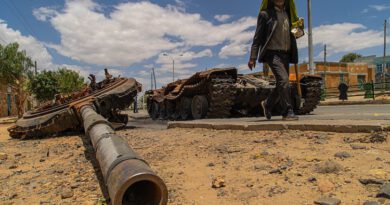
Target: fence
column 365, row 90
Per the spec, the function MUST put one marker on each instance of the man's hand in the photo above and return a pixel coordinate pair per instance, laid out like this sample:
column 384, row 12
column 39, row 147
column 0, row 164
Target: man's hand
column 252, row 64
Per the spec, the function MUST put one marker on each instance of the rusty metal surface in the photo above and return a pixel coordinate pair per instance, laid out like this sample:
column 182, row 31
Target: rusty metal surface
column 128, row 177
column 110, row 96
column 227, row 95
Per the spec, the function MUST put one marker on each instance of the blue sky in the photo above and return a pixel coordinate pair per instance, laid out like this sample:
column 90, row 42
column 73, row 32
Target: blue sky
column 130, row 36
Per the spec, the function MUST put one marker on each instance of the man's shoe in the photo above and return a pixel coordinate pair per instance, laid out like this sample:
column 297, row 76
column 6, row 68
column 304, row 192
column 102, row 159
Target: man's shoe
column 267, row 112
column 290, row 116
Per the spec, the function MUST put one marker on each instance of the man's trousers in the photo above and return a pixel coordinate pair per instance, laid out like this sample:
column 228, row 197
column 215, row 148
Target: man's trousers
column 278, row 61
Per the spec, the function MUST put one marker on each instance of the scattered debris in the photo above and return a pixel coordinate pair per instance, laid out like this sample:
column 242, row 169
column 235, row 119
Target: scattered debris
column 357, row 146
column 274, row 190
column 372, row 138
column 14, row 166
column 328, row 167
column 312, row 179
column 342, row 155
column 66, row 193
column 327, row 201
column 276, row 171
column 218, row 182
column 3, row 156
column 371, row 203
column 384, row 192
column 262, row 167
column 372, row 181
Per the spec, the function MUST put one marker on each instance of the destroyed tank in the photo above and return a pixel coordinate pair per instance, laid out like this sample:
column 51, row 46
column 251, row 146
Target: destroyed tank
column 109, row 97
column 222, row 93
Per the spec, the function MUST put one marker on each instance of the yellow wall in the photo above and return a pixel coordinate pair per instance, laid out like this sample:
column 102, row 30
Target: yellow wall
column 332, row 72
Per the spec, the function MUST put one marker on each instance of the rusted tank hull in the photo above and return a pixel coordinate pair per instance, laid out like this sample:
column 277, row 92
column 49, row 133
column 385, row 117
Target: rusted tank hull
column 116, row 95
column 128, row 177
column 221, row 93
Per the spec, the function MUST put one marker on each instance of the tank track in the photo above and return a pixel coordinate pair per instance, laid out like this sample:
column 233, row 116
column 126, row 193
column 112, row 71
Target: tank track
column 312, row 95
column 221, row 96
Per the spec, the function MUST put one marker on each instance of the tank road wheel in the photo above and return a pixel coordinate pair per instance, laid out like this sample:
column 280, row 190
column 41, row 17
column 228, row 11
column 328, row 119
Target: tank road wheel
column 185, row 108
column 154, row 112
column 311, row 91
column 171, row 110
column 199, row 107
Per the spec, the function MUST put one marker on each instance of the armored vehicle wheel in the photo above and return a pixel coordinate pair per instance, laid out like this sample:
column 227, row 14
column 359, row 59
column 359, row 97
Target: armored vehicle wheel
column 185, row 108
column 199, row 107
column 311, row 94
column 154, row 111
column 171, row 110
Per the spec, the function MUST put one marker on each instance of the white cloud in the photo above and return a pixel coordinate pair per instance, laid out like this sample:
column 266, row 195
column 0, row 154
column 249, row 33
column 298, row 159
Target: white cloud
column 44, row 13
column 37, row 50
column 239, row 45
column 33, row 47
column 222, row 18
column 382, row 7
column 183, row 63
column 134, row 31
column 344, row 37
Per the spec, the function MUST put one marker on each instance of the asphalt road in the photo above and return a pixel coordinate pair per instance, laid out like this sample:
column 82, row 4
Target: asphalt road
column 366, row 113
column 351, row 112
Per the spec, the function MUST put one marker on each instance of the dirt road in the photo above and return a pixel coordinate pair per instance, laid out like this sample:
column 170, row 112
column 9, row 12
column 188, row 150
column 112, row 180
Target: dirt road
column 289, row 167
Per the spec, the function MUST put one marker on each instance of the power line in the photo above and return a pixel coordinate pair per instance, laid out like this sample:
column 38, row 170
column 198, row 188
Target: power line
column 20, row 16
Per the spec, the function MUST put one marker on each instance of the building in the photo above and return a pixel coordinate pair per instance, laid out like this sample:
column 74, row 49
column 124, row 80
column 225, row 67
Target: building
column 377, row 64
column 333, row 73
column 7, row 101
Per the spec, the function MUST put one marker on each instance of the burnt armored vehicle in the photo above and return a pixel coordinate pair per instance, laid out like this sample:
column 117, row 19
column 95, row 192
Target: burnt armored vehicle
column 222, row 93
column 109, row 96
column 128, row 177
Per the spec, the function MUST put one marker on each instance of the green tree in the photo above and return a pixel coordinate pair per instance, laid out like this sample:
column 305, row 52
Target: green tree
column 350, row 57
column 69, row 81
column 44, row 85
column 47, row 84
column 15, row 70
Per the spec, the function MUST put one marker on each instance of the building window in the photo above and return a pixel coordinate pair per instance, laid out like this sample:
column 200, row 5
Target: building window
column 342, row 78
column 361, row 78
column 379, row 68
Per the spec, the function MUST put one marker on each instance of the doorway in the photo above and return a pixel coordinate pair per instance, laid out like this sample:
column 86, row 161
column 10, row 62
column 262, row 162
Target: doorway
column 9, row 105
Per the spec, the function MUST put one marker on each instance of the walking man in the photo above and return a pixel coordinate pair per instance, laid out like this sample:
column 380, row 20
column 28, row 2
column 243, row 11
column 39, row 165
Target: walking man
column 275, row 45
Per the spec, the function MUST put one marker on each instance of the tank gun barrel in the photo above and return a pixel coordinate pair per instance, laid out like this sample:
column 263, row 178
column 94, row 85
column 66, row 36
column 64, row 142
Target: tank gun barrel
column 128, row 177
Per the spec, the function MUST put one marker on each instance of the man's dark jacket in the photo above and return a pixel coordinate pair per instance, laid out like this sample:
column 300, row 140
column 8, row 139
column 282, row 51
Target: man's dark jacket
column 266, row 25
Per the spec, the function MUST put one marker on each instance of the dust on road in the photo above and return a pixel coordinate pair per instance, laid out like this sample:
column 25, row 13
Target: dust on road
column 286, row 167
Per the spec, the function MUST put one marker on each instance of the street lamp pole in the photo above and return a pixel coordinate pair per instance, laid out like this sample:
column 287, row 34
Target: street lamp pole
column 384, row 69
column 173, row 65
column 173, row 69
column 310, row 37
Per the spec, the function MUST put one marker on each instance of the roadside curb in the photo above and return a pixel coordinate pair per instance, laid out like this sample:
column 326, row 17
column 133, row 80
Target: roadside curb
column 336, row 127
column 7, row 121
column 367, row 102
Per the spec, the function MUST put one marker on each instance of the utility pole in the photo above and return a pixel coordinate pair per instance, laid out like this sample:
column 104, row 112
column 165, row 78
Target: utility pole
column 310, row 37
column 151, row 80
column 325, row 53
column 154, row 77
column 35, row 66
column 173, row 69
column 325, row 64
column 384, row 67
column 173, row 65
